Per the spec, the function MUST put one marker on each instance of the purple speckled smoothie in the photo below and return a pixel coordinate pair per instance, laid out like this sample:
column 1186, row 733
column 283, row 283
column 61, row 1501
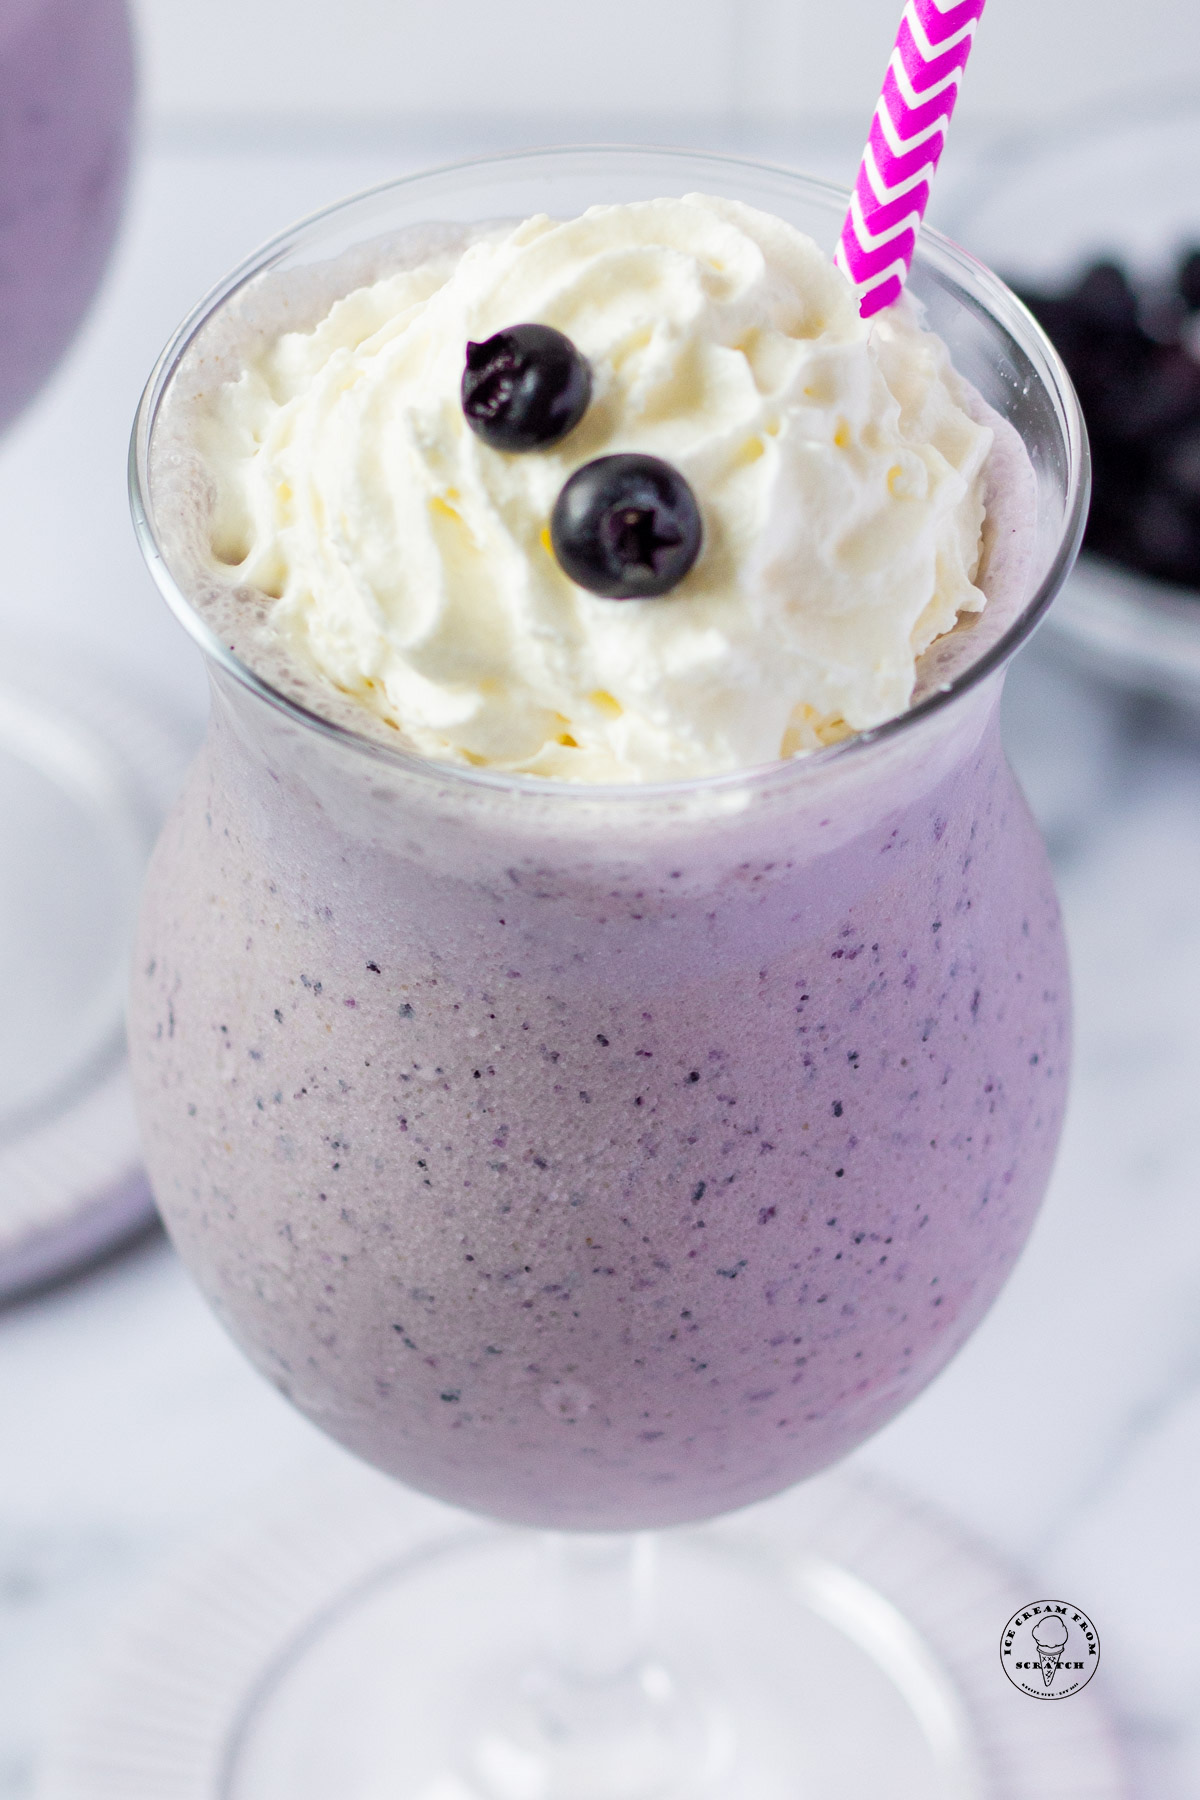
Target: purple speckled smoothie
column 591, row 1188
column 606, row 1157
column 66, row 87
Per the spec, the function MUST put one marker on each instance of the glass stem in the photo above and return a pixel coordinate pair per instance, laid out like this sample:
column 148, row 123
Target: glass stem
column 599, row 1602
column 595, row 1714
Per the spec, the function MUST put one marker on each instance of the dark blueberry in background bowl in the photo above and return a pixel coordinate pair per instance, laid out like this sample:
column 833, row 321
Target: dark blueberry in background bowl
column 1130, row 348
column 525, row 388
column 1189, row 279
column 626, row 527
column 1104, row 300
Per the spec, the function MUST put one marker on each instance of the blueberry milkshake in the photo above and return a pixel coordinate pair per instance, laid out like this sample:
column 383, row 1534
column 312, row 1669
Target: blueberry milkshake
column 66, row 85
column 598, row 1058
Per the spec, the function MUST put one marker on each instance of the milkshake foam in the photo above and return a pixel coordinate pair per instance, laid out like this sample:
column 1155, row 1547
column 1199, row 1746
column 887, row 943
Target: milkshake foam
column 379, row 545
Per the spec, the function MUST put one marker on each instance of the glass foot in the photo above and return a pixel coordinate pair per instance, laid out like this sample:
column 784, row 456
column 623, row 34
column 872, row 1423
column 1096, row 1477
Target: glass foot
column 758, row 1683
column 359, row 1643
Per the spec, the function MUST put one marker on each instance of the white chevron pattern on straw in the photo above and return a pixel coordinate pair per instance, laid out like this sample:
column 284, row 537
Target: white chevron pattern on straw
column 908, row 135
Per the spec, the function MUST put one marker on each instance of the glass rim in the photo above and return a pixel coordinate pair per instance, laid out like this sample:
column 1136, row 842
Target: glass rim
column 965, row 271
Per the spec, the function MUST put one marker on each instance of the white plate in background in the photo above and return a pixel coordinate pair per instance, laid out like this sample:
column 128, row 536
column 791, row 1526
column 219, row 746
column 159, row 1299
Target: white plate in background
column 86, row 774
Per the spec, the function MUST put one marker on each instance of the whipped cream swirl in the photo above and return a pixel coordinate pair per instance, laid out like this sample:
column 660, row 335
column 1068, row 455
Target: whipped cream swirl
column 836, row 467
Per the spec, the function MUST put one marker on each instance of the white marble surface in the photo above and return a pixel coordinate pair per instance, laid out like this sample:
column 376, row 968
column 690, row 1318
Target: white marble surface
column 1068, row 1432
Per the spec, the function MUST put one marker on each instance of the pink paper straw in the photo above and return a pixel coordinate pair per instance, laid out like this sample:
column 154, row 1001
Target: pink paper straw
column 908, row 135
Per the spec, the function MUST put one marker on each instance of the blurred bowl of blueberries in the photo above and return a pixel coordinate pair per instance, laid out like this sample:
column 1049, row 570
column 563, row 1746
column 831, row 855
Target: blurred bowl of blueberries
column 1097, row 227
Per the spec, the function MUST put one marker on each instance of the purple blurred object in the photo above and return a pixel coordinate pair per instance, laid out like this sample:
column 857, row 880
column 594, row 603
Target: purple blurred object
column 66, row 99
column 85, row 774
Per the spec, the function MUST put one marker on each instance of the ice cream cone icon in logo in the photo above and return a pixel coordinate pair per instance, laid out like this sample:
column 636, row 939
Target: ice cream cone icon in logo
column 1049, row 1649
column 1050, row 1636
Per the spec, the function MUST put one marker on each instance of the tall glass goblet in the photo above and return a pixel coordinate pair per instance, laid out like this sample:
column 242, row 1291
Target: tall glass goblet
column 66, row 98
column 75, row 813
column 597, row 1159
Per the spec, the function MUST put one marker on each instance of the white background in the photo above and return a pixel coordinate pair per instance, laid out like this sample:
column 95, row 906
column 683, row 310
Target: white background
column 529, row 65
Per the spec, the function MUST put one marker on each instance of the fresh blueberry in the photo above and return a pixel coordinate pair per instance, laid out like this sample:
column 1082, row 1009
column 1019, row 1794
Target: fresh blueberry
column 626, row 527
column 1179, row 463
column 1160, row 393
column 525, row 388
column 1167, row 538
column 1057, row 316
column 1139, row 386
column 1104, row 299
column 1188, row 279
